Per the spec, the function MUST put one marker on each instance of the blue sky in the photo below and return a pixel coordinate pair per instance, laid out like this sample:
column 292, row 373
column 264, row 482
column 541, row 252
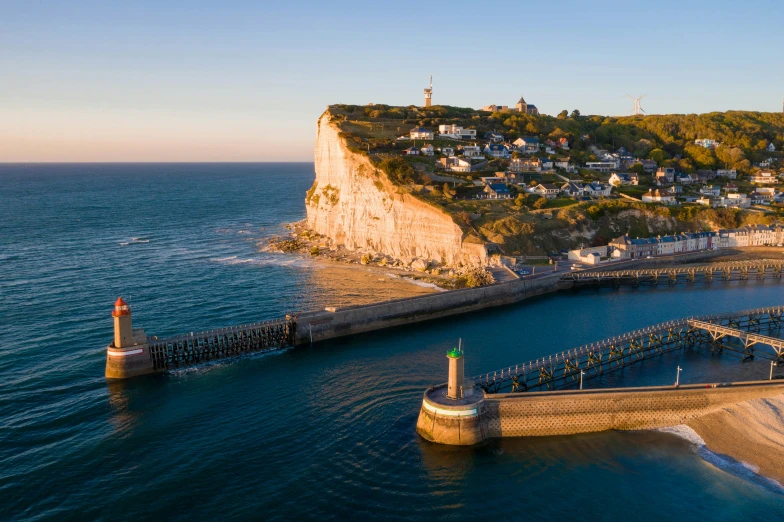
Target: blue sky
column 246, row 81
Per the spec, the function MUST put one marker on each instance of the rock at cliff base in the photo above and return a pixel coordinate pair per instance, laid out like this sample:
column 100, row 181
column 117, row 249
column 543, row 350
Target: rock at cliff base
column 420, row 265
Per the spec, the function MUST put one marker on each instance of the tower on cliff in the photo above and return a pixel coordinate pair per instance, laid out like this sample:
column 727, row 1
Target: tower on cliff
column 123, row 332
column 454, row 388
column 429, row 93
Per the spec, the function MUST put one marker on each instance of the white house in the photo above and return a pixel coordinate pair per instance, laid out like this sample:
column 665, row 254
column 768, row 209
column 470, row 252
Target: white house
column 420, row 133
column 527, row 145
column 771, row 147
column 659, row 196
column 597, row 189
column 547, row 190
column 665, row 175
column 494, row 137
column 623, row 179
column 562, row 143
column 707, row 143
column 573, row 188
column 497, row 151
column 455, row 164
column 472, row 151
column 525, row 165
column 763, row 176
column 427, row 150
column 564, row 163
column 547, row 164
column 447, row 151
column 727, row 173
column 710, row 190
column 763, row 195
column 413, row 151
column 457, row 132
column 603, row 166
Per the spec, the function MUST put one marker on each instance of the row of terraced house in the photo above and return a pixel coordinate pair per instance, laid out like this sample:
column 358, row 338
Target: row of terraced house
column 625, row 247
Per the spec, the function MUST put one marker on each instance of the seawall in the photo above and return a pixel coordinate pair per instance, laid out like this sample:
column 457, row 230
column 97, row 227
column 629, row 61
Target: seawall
column 319, row 326
column 481, row 417
column 322, row 325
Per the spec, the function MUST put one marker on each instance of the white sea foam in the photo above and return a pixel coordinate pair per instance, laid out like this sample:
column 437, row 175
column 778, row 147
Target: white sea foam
column 259, row 261
column 220, row 363
column 725, row 463
column 231, row 260
column 424, row 284
column 684, row 432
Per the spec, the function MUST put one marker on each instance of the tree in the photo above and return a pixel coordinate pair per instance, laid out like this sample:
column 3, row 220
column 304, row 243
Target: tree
column 540, row 203
column 519, row 200
column 449, row 192
column 563, row 114
column 658, row 155
column 637, row 168
column 575, row 114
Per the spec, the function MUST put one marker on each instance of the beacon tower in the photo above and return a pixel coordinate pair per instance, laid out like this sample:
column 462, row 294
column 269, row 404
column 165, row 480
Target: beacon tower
column 429, row 93
column 454, row 388
column 129, row 354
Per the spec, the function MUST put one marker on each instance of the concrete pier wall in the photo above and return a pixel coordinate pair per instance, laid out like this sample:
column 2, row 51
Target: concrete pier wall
column 579, row 411
column 352, row 320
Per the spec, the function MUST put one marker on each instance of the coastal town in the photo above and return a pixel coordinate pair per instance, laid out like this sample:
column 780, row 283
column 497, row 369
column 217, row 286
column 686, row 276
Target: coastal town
column 498, row 167
column 523, row 183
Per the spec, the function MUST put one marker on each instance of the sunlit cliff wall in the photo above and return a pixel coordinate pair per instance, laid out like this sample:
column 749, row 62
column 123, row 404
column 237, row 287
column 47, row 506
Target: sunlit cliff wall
column 358, row 207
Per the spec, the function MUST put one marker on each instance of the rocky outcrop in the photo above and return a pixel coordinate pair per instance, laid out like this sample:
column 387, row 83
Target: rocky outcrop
column 358, row 207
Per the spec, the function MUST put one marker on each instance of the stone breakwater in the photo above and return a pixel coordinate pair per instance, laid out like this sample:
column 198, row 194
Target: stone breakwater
column 479, row 416
column 357, row 207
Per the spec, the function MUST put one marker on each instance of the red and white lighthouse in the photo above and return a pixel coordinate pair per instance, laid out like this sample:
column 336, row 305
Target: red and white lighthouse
column 123, row 332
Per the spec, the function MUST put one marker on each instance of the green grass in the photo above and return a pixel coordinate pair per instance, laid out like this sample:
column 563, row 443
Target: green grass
column 560, row 203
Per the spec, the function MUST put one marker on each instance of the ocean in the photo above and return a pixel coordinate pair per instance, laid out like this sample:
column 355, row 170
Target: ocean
column 317, row 432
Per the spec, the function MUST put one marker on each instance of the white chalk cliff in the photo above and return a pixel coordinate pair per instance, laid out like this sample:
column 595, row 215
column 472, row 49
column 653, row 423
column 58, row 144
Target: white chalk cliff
column 358, row 207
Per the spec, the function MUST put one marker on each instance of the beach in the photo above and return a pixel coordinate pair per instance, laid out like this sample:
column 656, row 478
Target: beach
column 751, row 432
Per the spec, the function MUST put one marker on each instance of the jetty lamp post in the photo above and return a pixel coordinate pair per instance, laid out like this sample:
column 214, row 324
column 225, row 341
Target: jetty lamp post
column 678, row 376
column 581, row 379
column 772, row 364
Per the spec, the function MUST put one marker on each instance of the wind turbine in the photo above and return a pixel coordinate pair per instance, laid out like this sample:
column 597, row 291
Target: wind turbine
column 637, row 108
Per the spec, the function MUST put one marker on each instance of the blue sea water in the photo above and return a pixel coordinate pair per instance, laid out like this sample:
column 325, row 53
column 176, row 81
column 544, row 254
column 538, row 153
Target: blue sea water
column 321, row 432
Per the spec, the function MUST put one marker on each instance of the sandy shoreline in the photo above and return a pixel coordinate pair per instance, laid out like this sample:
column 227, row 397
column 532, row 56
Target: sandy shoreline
column 751, row 432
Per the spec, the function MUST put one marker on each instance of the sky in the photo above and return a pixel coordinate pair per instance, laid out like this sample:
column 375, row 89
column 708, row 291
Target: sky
column 118, row 80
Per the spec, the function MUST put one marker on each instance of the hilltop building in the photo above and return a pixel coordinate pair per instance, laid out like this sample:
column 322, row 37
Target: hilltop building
column 526, row 108
column 521, row 106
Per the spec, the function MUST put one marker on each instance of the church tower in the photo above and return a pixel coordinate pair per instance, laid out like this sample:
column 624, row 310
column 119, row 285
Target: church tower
column 522, row 106
column 429, row 93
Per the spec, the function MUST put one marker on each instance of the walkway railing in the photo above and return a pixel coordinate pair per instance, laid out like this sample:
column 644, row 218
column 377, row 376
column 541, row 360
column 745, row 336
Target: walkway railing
column 567, row 368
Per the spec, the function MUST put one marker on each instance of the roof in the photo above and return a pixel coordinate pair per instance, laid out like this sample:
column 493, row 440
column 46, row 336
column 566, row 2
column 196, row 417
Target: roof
column 420, row 129
column 530, row 139
column 548, row 186
column 499, row 188
column 120, row 302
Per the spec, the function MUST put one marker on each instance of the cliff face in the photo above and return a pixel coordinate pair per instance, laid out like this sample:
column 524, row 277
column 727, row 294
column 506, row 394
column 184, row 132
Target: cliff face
column 358, row 207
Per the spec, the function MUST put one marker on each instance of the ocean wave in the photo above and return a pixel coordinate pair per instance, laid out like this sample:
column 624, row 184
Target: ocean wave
column 212, row 365
column 740, row 469
column 231, row 260
column 260, row 261
column 423, row 284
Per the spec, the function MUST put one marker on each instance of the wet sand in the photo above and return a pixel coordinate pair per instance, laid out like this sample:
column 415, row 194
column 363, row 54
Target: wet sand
column 337, row 284
column 751, row 432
